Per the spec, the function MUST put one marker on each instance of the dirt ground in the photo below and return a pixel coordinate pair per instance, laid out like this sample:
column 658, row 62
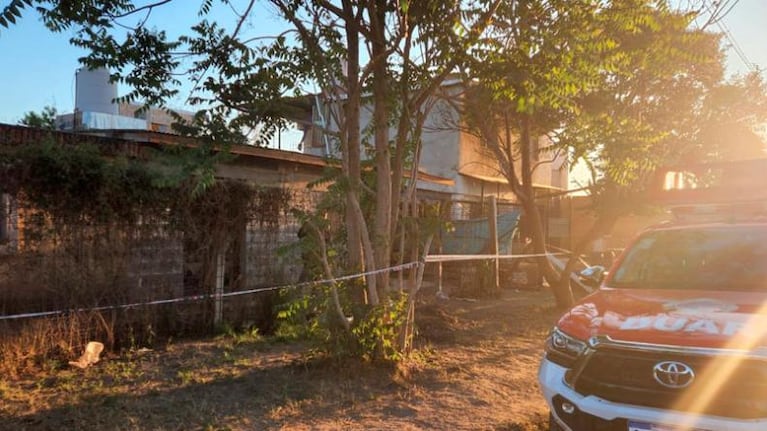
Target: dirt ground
column 475, row 370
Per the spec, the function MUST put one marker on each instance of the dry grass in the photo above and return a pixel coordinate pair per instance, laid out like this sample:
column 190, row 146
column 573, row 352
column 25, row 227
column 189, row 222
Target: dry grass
column 45, row 344
column 475, row 369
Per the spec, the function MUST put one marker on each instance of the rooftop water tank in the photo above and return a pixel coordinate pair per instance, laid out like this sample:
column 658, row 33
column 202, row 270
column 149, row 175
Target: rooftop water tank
column 94, row 92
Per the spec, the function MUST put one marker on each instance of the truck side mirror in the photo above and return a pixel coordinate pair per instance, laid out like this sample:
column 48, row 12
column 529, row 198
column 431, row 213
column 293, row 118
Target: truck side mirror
column 593, row 275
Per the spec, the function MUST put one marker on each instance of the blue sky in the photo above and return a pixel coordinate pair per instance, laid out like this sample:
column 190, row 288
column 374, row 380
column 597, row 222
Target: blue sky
column 39, row 66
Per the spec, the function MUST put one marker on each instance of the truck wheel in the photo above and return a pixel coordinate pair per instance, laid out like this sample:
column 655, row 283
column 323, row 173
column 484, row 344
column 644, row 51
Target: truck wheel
column 553, row 424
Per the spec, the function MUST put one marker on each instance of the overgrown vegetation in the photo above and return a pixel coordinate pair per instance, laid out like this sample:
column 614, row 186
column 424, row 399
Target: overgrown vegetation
column 615, row 83
column 479, row 357
column 79, row 184
column 100, row 231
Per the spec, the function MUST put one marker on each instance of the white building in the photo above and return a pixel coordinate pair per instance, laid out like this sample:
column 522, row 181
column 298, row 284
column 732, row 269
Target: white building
column 447, row 152
column 95, row 108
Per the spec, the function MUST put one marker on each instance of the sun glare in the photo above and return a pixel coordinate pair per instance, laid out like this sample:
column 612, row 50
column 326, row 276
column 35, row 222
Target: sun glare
column 722, row 368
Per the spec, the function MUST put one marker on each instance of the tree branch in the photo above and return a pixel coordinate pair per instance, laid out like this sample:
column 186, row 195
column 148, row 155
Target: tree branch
column 242, row 19
column 543, row 162
column 139, row 9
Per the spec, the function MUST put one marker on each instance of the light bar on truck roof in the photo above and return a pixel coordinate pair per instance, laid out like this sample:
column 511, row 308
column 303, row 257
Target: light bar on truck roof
column 721, row 211
column 721, row 183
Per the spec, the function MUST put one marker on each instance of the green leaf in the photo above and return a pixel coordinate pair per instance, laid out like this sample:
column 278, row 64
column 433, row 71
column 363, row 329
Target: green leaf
column 521, row 104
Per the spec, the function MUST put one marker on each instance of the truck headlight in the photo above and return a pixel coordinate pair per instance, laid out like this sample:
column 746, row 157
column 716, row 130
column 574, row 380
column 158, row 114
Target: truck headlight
column 563, row 349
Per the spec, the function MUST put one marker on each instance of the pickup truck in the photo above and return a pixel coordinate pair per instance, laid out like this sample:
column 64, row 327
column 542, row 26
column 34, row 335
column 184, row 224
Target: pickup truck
column 674, row 338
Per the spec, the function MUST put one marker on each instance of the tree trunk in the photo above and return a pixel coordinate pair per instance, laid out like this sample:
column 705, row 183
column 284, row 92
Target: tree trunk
column 329, row 274
column 383, row 222
column 601, row 226
column 562, row 293
column 352, row 147
column 367, row 247
column 407, row 332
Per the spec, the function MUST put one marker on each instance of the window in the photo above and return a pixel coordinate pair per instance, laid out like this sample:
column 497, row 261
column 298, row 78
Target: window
column 716, row 258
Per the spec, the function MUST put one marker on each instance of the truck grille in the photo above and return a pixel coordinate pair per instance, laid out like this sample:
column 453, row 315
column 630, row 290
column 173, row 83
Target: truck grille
column 625, row 376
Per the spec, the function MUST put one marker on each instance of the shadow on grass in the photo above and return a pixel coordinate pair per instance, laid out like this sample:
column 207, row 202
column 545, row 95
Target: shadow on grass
column 257, row 399
column 486, row 350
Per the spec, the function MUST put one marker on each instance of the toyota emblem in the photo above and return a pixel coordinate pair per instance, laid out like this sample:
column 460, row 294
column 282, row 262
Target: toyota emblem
column 672, row 374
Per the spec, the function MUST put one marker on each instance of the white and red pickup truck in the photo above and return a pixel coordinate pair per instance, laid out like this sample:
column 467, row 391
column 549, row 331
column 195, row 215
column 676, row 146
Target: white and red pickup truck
column 675, row 338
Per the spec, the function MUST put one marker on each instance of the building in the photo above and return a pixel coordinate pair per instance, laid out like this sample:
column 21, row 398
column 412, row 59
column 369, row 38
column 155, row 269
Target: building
column 96, row 108
column 470, row 168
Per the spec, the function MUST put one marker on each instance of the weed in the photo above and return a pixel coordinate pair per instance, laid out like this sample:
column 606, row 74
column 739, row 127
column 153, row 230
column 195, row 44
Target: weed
column 123, row 370
column 212, row 427
column 422, row 356
column 186, row 377
column 250, row 335
column 68, row 382
column 233, row 338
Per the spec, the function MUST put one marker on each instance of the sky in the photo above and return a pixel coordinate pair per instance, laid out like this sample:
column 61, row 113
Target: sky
column 38, row 67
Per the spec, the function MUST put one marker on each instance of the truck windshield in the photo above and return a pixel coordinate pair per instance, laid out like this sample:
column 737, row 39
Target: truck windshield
column 707, row 258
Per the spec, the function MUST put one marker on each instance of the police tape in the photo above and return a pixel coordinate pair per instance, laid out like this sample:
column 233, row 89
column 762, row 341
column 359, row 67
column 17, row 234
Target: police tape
column 438, row 258
column 195, row 298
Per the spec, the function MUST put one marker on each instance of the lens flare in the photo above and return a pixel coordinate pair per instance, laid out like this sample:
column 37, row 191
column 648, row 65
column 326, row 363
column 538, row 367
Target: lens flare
column 722, row 368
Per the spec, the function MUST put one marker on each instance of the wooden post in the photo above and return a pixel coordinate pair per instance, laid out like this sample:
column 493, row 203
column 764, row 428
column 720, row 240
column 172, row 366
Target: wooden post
column 493, row 221
column 218, row 296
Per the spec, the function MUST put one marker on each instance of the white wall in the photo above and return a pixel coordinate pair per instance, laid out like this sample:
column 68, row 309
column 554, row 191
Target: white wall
column 452, row 154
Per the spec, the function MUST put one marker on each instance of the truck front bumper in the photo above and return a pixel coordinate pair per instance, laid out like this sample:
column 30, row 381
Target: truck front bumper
column 576, row 412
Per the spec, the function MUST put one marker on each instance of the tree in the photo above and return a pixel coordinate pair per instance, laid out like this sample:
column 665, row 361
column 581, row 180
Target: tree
column 731, row 124
column 619, row 83
column 674, row 107
column 389, row 32
column 46, row 119
column 600, row 79
column 523, row 82
column 242, row 84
